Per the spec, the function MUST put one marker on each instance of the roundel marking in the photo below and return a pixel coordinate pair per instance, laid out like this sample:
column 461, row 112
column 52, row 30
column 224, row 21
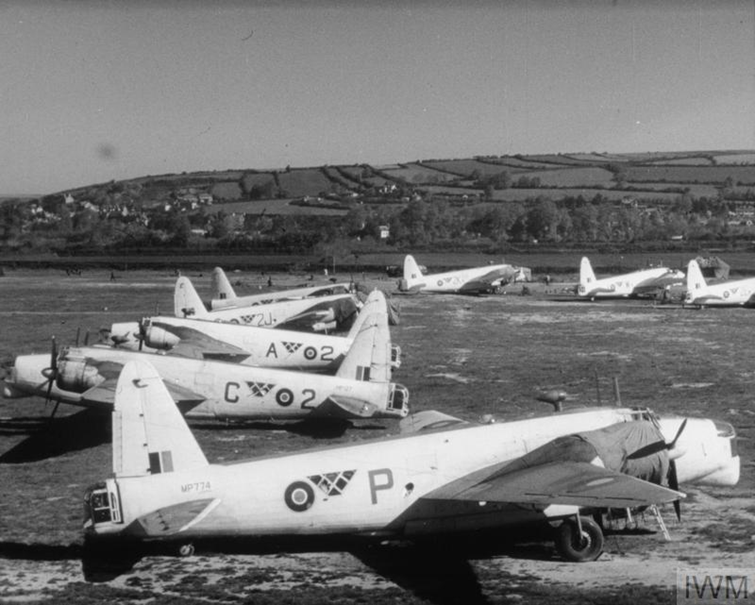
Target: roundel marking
column 299, row 496
column 440, row 282
column 284, row 397
column 613, row 287
column 582, row 289
column 310, row 353
column 726, row 294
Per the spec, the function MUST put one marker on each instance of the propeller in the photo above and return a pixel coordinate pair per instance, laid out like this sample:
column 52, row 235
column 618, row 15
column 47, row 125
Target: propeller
column 672, row 476
column 51, row 374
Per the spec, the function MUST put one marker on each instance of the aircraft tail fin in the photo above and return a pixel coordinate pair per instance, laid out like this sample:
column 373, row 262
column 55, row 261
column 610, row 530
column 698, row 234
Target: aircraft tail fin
column 696, row 284
column 221, row 287
column 586, row 274
column 186, row 300
column 369, row 358
column 412, row 274
column 149, row 434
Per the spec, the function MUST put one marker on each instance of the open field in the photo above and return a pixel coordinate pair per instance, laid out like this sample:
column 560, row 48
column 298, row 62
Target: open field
column 465, row 356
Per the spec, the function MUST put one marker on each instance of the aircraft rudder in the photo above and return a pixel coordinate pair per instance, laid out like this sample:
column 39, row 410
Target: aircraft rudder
column 696, row 283
column 186, row 300
column 412, row 273
column 149, row 434
column 586, row 274
column 369, row 356
column 221, row 286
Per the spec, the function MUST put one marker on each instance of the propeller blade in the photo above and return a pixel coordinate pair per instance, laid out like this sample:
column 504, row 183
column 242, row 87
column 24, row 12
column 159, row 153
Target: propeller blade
column 86, row 339
column 673, row 483
column 78, row 333
column 678, row 434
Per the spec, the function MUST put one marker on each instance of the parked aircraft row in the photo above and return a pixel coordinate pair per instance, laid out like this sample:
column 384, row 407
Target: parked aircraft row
column 635, row 284
column 441, row 475
column 239, row 369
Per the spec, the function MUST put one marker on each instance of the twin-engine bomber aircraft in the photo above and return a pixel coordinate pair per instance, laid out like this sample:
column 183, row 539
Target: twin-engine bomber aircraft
column 247, row 345
column 636, row 283
column 224, row 296
column 735, row 293
column 477, row 280
column 361, row 387
column 335, row 312
column 443, row 476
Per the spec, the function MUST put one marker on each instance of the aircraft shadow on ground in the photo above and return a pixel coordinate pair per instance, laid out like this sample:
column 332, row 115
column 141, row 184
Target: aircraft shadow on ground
column 50, row 437
column 438, row 570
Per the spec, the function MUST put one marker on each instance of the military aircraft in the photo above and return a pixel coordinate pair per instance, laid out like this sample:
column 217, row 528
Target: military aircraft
column 443, row 475
column 637, row 283
column 360, row 388
column 335, row 312
column 477, row 280
column 224, row 296
column 736, row 293
column 248, row 345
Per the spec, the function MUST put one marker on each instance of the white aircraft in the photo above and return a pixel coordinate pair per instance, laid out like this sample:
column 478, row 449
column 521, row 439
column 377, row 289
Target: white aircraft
column 247, row 345
column 636, row 283
column 442, row 476
column 477, row 280
column 224, row 296
column 737, row 293
column 360, row 388
column 334, row 312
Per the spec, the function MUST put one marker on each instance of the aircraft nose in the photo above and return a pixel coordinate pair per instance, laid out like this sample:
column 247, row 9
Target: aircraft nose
column 26, row 375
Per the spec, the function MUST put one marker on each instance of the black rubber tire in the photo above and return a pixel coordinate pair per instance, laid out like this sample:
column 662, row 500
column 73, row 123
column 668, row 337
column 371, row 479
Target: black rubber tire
column 579, row 548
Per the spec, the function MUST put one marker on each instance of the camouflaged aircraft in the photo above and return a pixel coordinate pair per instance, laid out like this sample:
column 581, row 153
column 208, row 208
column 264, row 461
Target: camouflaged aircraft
column 334, row 312
column 224, row 296
column 441, row 476
column 637, row 283
column 476, row 280
column 248, row 345
column 360, row 388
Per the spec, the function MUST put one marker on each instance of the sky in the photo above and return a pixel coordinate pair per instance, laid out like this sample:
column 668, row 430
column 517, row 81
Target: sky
column 92, row 91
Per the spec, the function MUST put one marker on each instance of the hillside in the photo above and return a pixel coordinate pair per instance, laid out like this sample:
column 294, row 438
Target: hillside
column 326, row 189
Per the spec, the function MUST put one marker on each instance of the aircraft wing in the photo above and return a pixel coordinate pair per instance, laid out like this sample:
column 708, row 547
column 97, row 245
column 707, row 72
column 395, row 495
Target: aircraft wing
column 171, row 519
column 104, row 392
column 571, row 483
column 328, row 311
column 484, row 282
column 198, row 345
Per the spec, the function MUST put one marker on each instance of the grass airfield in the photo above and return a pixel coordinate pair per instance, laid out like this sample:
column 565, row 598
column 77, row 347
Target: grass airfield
column 466, row 356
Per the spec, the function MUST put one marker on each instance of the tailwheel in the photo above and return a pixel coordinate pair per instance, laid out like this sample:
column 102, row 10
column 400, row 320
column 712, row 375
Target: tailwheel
column 579, row 539
column 186, row 550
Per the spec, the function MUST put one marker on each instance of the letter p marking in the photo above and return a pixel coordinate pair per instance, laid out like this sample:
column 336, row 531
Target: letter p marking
column 385, row 482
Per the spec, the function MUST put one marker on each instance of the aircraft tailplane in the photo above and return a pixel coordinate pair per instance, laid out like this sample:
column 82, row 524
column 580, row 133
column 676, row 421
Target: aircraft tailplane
column 369, row 358
column 149, row 434
column 696, row 284
column 586, row 274
column 221, row 287
column 186, row 300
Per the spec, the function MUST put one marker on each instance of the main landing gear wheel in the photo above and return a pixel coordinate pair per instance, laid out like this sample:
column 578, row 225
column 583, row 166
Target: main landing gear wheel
column 579, row 544
column 186, row 550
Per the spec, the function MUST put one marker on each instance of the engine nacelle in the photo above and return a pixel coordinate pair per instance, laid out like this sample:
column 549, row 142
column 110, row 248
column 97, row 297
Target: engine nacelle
column 159, row 338
column 77, row 376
